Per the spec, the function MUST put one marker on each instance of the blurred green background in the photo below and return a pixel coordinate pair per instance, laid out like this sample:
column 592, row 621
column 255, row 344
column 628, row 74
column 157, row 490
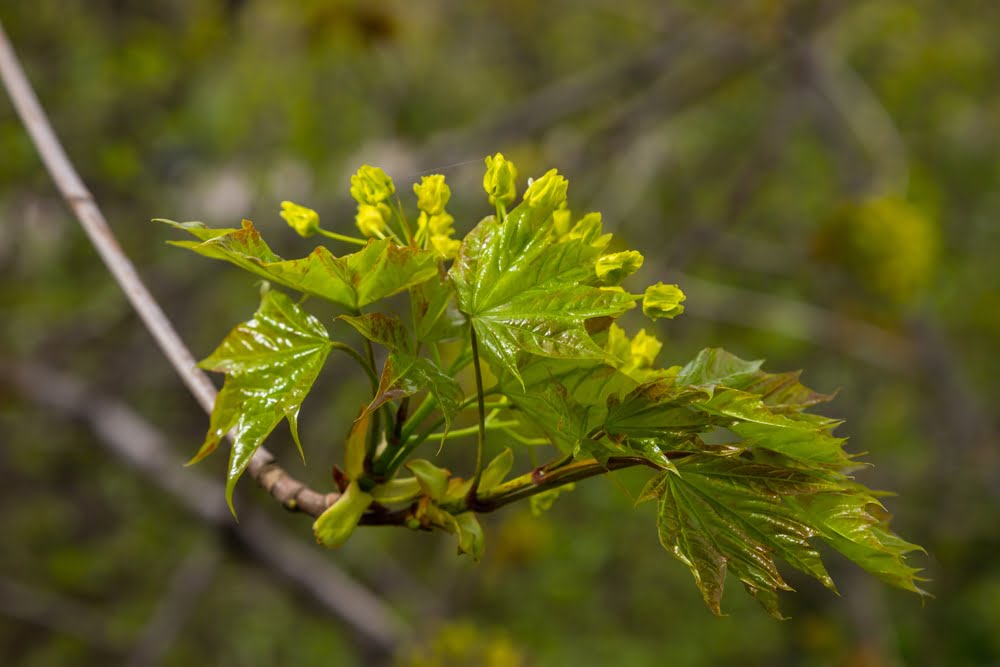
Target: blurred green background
column 821, row 178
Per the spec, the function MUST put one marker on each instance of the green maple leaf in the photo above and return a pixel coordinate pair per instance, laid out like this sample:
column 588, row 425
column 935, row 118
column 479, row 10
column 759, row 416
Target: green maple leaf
column 270, row 362
column 524, row 291
column 565, row 400
column 722, row 514
column 405, row 372
column 855, row 524
column 378, row 270
column 435, row 312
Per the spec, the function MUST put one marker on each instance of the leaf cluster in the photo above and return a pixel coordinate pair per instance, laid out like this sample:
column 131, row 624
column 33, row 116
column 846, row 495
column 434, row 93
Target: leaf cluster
column 742, row 475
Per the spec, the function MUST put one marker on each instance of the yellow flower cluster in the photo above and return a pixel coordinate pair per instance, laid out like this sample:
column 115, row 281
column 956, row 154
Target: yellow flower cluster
column 435, row 226
column 371, row 187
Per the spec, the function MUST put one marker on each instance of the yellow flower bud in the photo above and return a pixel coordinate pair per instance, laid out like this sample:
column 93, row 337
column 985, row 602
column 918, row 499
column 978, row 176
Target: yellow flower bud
column 612, row 269
column 446, row 247
column 303, row 220
column 663, row 301
column 644, row 349
column 500, row 181
column 549, row 191
column 370, row 185
column 441, row 225
column 432, row 194
column 561, row 220
column 371, row 220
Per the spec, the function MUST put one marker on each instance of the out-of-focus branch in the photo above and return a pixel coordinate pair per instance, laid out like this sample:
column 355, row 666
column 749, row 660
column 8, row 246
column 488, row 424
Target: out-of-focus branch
column 192, row 577
column 798, row 320
column 862, row 114
column 290, row 492
column 133, row 440
column 59, row 614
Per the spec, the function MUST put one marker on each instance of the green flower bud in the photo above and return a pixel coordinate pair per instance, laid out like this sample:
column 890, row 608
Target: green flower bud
column 371, row 220
column 336, row 524
column 548, row 192
column 370, row 185
column 500, row 181
column 303, row 220
column 612, row 269
column 663, row 301
column 432, row 194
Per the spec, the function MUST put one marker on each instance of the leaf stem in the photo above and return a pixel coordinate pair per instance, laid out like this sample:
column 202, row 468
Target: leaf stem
column 341, row 237
column 376, row 425
column 481, row 444
column 469, row 430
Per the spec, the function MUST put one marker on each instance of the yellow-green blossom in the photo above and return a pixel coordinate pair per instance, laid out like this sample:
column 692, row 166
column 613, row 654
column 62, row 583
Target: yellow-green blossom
column 371, row 186
column 432, row 194
column 549, row 191
column 446, row 247
column 612, row 269
column 561, row 221
column 500, row 181
column 303, row 220
column 371, row 220
column 644, row 349
column 636, row 356
column 435, row 231
column 663, row 301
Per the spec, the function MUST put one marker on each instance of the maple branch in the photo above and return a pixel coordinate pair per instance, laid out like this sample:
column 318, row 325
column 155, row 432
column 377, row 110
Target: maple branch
column 292, row 494
column 548, row 477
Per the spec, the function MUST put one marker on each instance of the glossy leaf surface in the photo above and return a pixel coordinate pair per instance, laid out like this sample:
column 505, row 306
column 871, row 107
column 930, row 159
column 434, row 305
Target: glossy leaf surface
column 270, row 362
column 526, row 292
column 378, row 270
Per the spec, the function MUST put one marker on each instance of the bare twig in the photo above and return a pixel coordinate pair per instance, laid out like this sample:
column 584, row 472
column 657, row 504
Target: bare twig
column 192, row 577
column 262, row 467
column 142, row 447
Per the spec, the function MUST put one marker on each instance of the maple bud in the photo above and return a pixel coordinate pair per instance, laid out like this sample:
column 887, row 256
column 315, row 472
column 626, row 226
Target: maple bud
column 303, row 220
column 370, row 185
column 339, row 520
column 500, row 181
column 432, row 194
column 549, row 191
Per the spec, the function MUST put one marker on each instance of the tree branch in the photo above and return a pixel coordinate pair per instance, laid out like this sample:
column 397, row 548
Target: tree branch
column 293, row 494
column 191, row 579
